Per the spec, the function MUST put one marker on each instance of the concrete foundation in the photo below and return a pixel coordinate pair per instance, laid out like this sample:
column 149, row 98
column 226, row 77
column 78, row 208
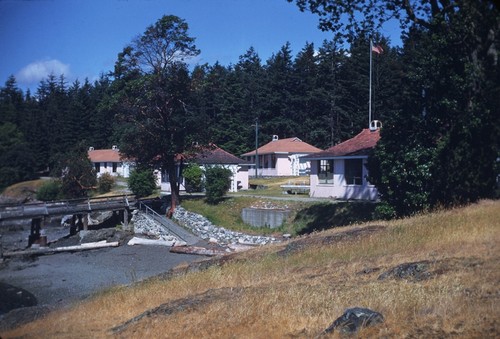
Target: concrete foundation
column 260, row 217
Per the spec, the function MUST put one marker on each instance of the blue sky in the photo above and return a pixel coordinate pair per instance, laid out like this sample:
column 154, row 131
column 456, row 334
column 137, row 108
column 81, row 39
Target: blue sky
column 82, row 38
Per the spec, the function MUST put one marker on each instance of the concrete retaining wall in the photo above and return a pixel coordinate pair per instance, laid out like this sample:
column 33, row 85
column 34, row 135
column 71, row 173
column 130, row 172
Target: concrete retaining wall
column 258, row 217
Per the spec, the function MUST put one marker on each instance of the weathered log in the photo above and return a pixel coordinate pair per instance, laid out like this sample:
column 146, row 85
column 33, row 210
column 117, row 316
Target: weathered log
column 197, row 250
column 142, row 241
column 48, row 250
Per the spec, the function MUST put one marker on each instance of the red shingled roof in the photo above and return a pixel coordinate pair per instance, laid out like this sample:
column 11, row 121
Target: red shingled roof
column 361, row 144
column 289, row 145
column 105, row 155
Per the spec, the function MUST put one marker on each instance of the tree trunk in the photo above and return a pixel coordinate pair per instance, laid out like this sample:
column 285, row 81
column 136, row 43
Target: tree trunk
column 174, row 187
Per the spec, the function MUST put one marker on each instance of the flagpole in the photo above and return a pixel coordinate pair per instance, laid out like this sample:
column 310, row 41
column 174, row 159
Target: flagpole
column 370, row 90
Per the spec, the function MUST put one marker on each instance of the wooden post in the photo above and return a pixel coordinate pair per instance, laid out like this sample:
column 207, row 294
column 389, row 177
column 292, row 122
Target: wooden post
column 86, row 222
column 79, row 223
column 35, row 231
column 72, row 227
column 125, row 220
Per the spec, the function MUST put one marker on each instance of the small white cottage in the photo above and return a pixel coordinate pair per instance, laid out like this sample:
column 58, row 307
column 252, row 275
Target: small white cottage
column 110, row 161
column 281, row 157
column 215, row 156
column 340, row 171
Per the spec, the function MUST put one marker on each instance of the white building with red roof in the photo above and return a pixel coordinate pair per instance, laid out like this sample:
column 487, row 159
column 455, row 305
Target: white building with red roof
column 340, row 172
column 110, row 161
column 281, row 157
column 214, row 156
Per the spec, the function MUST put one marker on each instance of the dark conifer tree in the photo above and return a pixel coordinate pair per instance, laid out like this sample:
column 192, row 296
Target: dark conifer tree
column 278, row 113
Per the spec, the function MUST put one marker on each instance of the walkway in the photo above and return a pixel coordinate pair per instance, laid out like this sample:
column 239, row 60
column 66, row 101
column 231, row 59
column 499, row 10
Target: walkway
column 65, row 207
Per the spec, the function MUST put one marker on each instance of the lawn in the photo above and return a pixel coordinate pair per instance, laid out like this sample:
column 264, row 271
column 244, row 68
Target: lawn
column 271, row 186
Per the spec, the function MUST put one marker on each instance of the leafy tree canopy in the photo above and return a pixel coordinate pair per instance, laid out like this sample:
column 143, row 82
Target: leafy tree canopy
column 76, row 172
column 218, row 182
column 154, row 96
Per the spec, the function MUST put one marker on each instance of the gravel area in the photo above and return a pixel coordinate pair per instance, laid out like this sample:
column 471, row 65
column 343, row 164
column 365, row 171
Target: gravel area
column 56, row 280
column 203, row 228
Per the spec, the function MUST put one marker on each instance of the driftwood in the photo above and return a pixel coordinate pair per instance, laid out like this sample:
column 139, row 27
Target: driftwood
column 198, row 250
column 48, row 250
column 141, row 241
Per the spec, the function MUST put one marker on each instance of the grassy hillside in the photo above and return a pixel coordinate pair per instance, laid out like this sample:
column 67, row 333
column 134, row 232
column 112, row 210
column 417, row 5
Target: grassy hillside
column 297, row 289
column 306, row 216
column 23, row 191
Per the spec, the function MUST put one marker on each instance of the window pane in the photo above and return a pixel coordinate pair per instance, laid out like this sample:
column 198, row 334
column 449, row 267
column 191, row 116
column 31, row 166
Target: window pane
column 325, row 172
column 354, row 171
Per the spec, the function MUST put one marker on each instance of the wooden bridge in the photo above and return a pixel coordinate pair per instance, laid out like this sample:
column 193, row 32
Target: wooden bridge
column 78, row 208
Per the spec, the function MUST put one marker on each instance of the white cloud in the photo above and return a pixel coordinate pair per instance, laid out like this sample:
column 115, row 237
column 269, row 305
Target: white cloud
column 38, row 70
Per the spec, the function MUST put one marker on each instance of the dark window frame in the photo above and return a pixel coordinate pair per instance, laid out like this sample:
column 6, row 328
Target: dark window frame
column 325, row 171
column 353, row 171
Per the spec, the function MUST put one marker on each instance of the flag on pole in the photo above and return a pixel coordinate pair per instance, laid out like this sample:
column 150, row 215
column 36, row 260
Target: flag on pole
column 377, row 49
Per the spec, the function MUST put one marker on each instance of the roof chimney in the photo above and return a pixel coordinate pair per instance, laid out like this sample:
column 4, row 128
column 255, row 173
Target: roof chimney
column 275, row 137
column 375, row 125
column 115, row 148
column 91, row 149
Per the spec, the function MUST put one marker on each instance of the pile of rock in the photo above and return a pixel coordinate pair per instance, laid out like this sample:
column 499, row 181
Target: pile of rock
column 148, row 227
column 268, row 205
column 203, row 228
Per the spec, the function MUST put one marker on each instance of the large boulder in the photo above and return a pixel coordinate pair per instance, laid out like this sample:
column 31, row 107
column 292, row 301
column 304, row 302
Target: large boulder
column 413, row 271
column 354, row 319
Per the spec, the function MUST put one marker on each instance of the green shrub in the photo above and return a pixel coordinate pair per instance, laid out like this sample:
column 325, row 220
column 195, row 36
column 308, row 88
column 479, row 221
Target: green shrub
column 384, row 211
column 193, row 174
column 218, row 182
column 50, row 190
column 142, row 182
column 105, row 183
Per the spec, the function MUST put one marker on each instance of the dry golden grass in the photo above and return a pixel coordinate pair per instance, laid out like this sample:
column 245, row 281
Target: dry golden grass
column 296, row 291
column 23, row 190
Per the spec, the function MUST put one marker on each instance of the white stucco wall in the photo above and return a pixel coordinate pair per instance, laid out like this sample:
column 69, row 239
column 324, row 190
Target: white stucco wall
column 239, row 179
column 283, row 165
column 339, row 189
column 122, row 168
column 286, row 165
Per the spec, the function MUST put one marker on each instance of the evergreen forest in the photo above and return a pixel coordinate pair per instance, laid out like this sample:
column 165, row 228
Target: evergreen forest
column 437, row 97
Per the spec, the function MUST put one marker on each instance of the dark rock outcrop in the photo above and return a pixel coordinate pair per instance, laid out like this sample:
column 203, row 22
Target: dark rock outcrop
column 354, row 319
column 413, row 271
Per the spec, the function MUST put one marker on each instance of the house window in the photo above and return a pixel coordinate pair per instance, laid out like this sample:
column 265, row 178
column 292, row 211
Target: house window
column 97, row 167
column 115, row 165
column 325, row 171
column 273, row 161
column 354, row 171
column 105, row 165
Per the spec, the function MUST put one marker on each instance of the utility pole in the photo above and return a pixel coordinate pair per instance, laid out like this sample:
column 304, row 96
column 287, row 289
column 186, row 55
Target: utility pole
column 370, row 90
column 256, row 147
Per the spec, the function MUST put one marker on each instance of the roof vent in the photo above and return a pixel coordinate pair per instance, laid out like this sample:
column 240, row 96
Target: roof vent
column 91, row 149
column 275, row 137
column 375, row 125
column 114, row 148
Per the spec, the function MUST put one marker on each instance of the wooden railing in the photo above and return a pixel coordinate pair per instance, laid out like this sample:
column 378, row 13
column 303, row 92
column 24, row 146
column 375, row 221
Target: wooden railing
column 65, row 207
